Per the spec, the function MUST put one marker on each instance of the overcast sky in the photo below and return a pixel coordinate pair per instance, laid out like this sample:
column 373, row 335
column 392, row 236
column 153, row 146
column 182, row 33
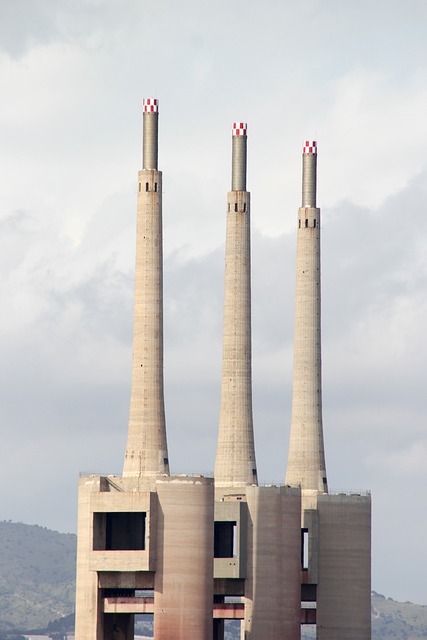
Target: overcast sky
column 351, row 75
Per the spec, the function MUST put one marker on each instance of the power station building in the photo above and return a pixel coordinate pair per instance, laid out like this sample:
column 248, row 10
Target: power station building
column 194, row 550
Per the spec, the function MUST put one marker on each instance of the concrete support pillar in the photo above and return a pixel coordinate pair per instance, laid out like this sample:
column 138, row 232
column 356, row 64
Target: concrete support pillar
column 272, row 588
column 183, row 587
column 344, row 589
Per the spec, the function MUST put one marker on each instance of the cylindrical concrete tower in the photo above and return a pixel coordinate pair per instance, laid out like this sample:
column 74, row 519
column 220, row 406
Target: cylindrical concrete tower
column 306, row 460
column 183, row 581
column 235, row 464
column 146, row 452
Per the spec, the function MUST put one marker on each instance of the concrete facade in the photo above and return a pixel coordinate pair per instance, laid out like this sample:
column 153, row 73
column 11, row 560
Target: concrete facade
column 197, row 551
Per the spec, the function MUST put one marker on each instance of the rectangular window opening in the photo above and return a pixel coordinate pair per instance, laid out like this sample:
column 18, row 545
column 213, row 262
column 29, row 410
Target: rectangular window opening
column 119, row 531
column 225, row 540
column 144, row 625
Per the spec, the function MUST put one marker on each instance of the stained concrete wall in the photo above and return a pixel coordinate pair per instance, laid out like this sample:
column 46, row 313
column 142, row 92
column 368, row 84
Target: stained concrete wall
column 344, row 589
column 272, row 588
column 183, row 588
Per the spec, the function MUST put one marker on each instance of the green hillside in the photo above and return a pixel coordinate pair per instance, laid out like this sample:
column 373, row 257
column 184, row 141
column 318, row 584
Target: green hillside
column 37, row 575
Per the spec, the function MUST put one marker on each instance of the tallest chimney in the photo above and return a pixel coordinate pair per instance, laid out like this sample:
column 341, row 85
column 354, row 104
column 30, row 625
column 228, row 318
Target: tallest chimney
column 306, row 459
column 146, row 451
column 235, row 458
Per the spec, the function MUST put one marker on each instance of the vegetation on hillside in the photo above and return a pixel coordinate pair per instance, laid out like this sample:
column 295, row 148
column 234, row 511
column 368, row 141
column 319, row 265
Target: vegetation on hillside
column 37, row 576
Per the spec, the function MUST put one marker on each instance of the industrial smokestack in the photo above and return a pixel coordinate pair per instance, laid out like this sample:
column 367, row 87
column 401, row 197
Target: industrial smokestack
column 306, row 459
column 146, row 452
column 235, row 464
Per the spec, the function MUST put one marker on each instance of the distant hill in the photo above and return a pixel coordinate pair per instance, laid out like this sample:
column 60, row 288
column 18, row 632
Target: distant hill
column 37, row 583
column 37, row 575
column 399, row 620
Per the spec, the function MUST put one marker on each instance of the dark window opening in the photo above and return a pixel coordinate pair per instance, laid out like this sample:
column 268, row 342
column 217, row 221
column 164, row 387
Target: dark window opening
column 139, row 186
column 306, row 223
column 119, row 531
column 165, row 460
column 224, row 533
column 254, row 472
column 118, row 593
column 314, row 223
column 147, row 187
column 244, row 207
column 299, row 224
column 155, row 187
column 304, row 549
column 235, row 207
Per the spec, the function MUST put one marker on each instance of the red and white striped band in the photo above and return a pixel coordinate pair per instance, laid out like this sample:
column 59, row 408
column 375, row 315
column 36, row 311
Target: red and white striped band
column 150, row 105
column 240, row 128
column 309, row 146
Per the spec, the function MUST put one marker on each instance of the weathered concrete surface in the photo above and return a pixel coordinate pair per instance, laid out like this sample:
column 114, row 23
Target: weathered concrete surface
column 183, row 587
column 344, row 590
column 235, row 464
column 146, row 451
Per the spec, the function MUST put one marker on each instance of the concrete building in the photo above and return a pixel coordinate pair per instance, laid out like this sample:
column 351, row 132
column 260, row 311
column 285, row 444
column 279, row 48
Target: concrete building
column 196, row 551
column 336, row 576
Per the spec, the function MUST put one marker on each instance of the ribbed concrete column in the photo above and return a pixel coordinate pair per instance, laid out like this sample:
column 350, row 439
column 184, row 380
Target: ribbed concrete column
column 306, row 460
column 235, row 459
column 146, row 452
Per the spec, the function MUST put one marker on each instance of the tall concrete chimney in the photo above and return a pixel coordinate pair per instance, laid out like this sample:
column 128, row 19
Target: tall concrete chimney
column 306, row 459
column 235, row 464
column 146, row 451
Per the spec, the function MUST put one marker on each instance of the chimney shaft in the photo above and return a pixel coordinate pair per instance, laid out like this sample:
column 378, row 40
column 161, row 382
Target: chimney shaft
column 235, row 464
column 306, row 459
column 146, row 451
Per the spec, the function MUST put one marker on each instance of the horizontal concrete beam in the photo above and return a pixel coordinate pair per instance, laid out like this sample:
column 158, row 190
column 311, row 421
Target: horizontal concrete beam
column 223, row 611
column 128, row 605
column 229, row 611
